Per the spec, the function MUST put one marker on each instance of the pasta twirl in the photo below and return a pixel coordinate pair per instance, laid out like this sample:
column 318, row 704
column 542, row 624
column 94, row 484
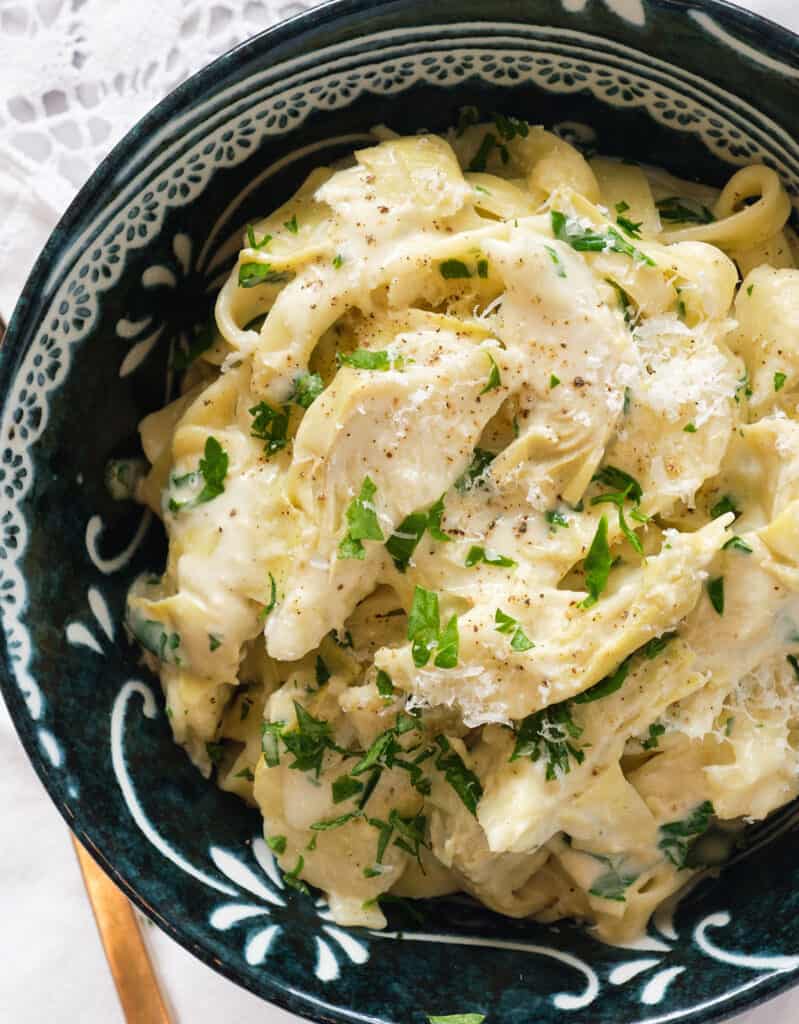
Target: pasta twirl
column 482, row 510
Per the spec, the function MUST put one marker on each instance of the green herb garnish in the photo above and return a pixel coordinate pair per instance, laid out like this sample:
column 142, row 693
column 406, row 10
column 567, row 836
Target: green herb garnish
column 362, row 522
column 471, row 477
column 507, row 624
column 549, row 732
column 656, row 730
column 453, row 269
column 556, row 519
column 403, row 541
column 560, row 270
column 425, row 634
column 676, row 836
column 569, row 230
column 597, row 564
column 633, row 228
column 724, row 505
column 779, row 381
column 494, row 380
column 269, row 425
column 479, row 554
column 715, row 591
column 674, row 210
column 307, row 388
column 213, row 469
column 738, row 544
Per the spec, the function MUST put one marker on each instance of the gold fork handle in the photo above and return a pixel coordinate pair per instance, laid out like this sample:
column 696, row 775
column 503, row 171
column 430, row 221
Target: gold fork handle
column 125, row 951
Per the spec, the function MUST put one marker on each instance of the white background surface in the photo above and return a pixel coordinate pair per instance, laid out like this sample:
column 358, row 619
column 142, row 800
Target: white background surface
column 106, row 62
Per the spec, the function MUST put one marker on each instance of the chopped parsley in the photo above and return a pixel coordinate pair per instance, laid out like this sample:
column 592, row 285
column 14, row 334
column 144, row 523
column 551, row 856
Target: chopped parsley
column 308, row 741
column 738, row 544
column 750, row 289
column 252, row 274
column 715, row 591
column 480, row 158
column 365, row 359
column 614, row 477
column 307, row 388
column 656, row 730
column 383, row 683
column 630, row 489
column 213, row 469
column 689, row 428
column 674, row 210
column 292, row 878
column 597, row 564
column 269, row 425
column 472, row 476
column 606, row 686
column 509, row 127
column 462, row 779
column 478, row 554
column 560, row 270
column 453, row 269
column 404, row 540
column 628, row 401
column 328, row 823
column 362, row 523
column 215, row 752
column 345, row 787
column 338, row 261
column 272, row 597
column 724, row 505
column 213, row 642
column 410, row 834
column 494, row 380
column 676, row 836
column 549, row 732
column 779, row 381
column 625, row 302
column 553, row 381
column 570, row 230
column 251, row 240
column 507, row 624
column 467, row 116
column 613, row 883
column 632, row 228
column 556, row 519
column 277, row 844
column 425, row 634
column 652, row 648
column 291, row 225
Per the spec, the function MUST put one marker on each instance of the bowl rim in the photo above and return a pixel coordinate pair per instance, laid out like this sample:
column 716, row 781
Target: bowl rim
column 25, row 316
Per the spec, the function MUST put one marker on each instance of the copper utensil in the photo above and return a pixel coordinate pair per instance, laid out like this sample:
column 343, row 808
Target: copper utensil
column 136, row 984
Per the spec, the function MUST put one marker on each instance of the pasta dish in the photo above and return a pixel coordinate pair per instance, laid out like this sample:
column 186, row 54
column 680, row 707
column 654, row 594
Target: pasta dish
column 482, row 499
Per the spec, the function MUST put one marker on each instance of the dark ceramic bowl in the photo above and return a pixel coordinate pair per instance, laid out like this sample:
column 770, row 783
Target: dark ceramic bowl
column 133, row 264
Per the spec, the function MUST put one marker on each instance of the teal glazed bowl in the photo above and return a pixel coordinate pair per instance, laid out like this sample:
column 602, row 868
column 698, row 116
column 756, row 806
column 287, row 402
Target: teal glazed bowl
column 699, row 88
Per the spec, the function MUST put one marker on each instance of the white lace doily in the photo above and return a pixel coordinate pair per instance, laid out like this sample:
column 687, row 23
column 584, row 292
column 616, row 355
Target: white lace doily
column 74, row 76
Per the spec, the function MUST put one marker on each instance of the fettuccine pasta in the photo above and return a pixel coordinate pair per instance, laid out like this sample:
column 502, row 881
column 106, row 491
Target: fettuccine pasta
column 482, row 501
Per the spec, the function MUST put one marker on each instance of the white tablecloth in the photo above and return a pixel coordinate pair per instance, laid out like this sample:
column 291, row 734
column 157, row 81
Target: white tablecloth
column 105, row 62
